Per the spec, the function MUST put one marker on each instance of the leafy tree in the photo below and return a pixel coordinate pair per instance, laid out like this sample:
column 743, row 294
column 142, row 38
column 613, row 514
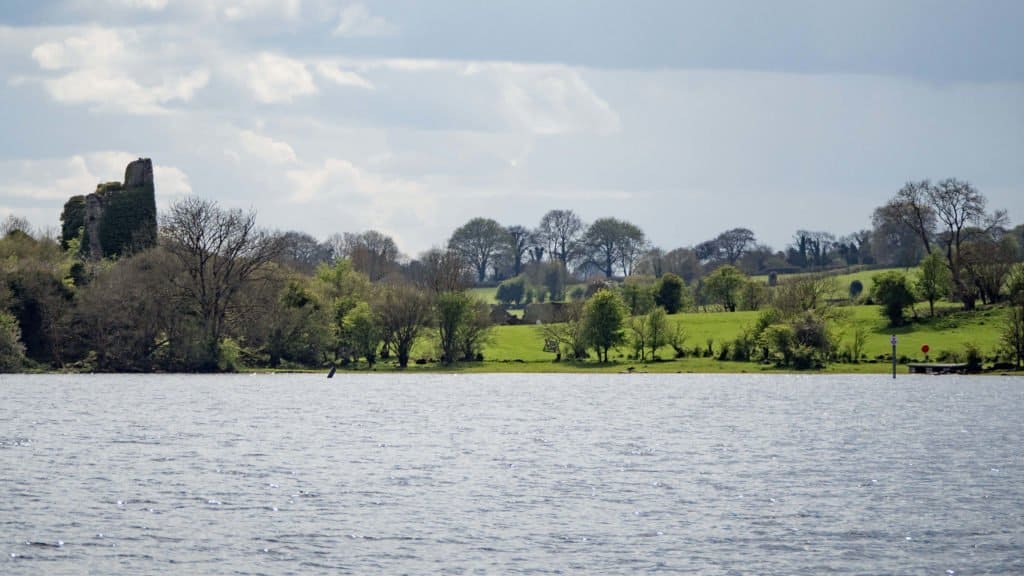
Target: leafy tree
column 729, row 246
column 933, row 280
column 658, row 331
column 475, row 330
column 12, row 351
column 1013, row 329
column 892, row 290
column 668, row 293
column 511, row 292
column 363, row 333
column 478, row 242
column 950, row 213
column 128, row 317
column 754, row 294
column 723, row 286
column 403, row 312
column 638, row 294
column 554, row 279
column 220, row 251
column 603, row 320
column 451, row 311
column 603, row 241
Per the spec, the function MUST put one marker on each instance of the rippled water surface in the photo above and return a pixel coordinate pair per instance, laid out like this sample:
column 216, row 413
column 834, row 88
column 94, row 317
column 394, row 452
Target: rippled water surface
column 464, row 474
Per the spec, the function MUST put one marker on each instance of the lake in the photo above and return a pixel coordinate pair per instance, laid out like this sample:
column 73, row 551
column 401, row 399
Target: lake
column 527, row 474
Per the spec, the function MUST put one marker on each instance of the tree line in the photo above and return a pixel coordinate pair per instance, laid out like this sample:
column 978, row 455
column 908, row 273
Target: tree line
column 217, row 292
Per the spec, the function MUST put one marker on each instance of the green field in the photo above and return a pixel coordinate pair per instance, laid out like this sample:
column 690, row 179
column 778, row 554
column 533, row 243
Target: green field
column 844, row 280
column 520, row 348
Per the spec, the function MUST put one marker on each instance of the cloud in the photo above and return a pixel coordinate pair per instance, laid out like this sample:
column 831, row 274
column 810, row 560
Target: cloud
column 91, row 48
column 267, row 149
column 233, row 10
column 273, row 78
column 363, row 199
column 357, row 22
column 97, row 67
column 152, row 5
column 334, row 73
column 57, row 179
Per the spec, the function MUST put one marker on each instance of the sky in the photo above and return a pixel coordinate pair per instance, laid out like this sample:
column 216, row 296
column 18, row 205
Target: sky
column 412, row 117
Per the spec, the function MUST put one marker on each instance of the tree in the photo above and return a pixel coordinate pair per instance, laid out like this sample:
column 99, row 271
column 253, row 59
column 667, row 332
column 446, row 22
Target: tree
column 892, row 290
column 603, row 241
column 1013, row 329
column 363, row 333
column 440, row 271
column 933, row 280
column 403, row 312
column 561, row 231
column 723, row 286
column 638, row 294
column 603, row 319
column 668, row 293
column 220, row 251
column 475, row 330
column 569, row 336
column 518, row 239
column 733, row 244
column 371, row 252
column 451, row 311
column 478, row 242
column 893, row 243
column 657, row 330
column 303, row 252
column 511, row 291
column 950, row 213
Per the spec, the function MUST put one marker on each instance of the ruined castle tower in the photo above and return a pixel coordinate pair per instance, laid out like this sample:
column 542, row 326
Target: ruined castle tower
column 118, row 218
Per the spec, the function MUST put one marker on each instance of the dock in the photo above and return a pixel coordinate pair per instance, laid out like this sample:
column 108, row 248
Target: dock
column 920, row 368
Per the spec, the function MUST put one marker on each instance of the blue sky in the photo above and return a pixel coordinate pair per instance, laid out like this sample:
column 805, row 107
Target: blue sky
column 412, row 117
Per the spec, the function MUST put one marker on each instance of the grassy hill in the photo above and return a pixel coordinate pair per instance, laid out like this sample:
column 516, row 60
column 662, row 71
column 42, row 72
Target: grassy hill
column 521, row 346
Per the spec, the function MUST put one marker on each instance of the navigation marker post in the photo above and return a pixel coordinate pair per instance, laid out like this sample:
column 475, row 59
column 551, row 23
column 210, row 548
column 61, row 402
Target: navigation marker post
column 893, row 342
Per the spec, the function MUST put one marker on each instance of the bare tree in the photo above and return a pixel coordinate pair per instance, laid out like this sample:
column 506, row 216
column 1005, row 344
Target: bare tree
column 220, row 251
column 518, row 244
column 403, row 312
column 562, row 231
column 440, row 271
column 371, row 252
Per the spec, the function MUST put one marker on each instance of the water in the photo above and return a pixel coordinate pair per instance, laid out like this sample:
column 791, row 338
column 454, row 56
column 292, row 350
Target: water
column 519, row 474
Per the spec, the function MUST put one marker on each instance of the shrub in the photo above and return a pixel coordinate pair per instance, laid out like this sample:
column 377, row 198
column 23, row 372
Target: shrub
column 893, row 292
column 856, row 287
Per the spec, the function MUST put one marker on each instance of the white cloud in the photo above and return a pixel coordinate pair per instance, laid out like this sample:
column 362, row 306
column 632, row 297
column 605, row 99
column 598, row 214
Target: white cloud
column 356, row 21
column 153, row 5
column 59, row 179
column 363, row 199
column 267, row 149
column 93, row 47
column 97, row 67
column 550, row 100
column 334, row 73
column 273, row 78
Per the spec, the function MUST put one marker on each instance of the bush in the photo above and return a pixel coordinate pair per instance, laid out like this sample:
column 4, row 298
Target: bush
column 669, row 293
column 856, row 287
column 973, row 357
column 892, row 290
